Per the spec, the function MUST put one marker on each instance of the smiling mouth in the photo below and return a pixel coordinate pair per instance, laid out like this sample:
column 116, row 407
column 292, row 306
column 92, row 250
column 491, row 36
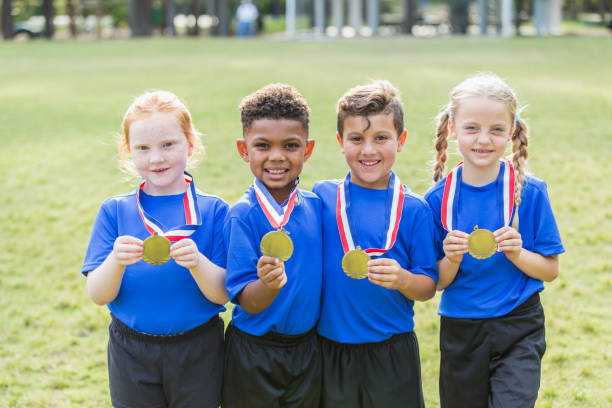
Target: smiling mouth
column 276, row 171
column 369, row 163
column 160, row 170
column 482, row 151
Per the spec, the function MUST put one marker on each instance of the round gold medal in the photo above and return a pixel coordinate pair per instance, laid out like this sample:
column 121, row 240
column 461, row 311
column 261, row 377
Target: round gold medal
column 481, row 243
column 355, row 263
column 156, row 250
column 277, row 244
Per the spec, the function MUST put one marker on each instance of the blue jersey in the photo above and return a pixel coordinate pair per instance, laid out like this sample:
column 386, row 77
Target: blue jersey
column 164, row 299
column 494, row 286
column 358, row 311
column 295, row 310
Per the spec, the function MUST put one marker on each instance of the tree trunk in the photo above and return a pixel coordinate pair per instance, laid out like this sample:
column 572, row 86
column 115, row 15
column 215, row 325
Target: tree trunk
column 411, row 9
column 99, row 15
column 196, row 10
column 170, row 14
column 140, row 18
column 70, row 9
column 7, row 19
column 602, row 11
column 224, row 17
column 49, row 12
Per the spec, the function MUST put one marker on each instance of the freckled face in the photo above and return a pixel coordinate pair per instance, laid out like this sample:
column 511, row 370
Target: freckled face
column 482, row 128
column 370, row 151
column 160, row 151
column 276, row 150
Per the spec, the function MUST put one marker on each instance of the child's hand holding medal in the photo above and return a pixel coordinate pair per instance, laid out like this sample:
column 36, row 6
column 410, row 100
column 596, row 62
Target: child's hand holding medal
column 455, row 245
column 128, row 250
column 271, row 272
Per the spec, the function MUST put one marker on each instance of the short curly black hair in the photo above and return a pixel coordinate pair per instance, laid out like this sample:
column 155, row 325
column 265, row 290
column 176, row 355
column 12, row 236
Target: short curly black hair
column 274, row 101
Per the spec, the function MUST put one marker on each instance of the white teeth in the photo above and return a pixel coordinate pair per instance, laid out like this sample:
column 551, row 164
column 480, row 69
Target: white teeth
column 369, row 163
column 275, row 171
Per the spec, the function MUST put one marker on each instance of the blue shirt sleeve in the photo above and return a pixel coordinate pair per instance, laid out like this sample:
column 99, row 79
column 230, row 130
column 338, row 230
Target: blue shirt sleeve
column 242, row 256
column 439, row 233
column 219, row 254
column 422, row 249
column 103, row 236
column 547, row 240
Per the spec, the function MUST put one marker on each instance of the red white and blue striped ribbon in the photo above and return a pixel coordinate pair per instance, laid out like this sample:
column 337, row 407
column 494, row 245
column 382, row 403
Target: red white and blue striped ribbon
column 395, row 216
column 193, row 218
column 277, row 216
column 450, row 192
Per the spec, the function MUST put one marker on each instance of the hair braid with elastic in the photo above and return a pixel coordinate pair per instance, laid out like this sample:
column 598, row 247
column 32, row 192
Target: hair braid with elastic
column 441, row 144
column 520, row 142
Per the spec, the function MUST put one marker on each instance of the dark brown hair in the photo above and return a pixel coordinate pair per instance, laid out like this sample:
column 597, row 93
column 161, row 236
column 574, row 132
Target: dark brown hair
column 274, row 101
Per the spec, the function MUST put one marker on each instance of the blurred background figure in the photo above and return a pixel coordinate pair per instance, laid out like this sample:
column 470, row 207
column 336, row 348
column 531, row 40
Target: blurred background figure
column 246, row 15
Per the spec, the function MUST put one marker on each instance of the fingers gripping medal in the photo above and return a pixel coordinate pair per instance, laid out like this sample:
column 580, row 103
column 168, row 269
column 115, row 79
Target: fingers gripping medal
column 355, row 259
column 481, row 242
column 156, row 248
column 277, row 243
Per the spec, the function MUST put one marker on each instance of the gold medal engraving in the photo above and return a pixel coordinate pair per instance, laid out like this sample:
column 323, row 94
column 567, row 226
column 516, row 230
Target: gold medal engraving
column 277, row 244
column 355, row 263
column 481, row 243
column 156, row 250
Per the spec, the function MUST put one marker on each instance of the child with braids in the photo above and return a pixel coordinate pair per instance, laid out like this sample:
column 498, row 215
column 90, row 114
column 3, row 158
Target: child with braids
column 497, row 241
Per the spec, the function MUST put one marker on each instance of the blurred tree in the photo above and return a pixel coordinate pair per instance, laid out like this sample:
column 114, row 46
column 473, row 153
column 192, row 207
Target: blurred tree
column 7, row 19
column 140, row 18
column 170, row 14
column 459, row 16
column 49, row 13
column 71, row 10
column 196, row 10
column 409, row 19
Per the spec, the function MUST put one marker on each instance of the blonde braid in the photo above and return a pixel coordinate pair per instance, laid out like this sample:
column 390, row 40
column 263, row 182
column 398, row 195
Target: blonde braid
column 520, row 142
column 441, row 144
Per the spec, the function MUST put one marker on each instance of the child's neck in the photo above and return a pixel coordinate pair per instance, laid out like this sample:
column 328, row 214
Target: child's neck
column 479, row 176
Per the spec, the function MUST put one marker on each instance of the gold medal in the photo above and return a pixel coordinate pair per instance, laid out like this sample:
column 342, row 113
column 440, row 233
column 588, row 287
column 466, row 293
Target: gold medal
column 481, row 243
column 355, row 263
column 156, row 250
column 277, row 244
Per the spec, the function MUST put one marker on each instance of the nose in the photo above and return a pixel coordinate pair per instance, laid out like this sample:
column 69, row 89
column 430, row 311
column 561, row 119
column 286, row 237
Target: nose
column 483, row 137
column 368, row 147
column 276, row 154
column 156, row 156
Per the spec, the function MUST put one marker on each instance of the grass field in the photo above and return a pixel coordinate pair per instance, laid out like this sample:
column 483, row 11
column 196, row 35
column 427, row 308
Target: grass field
column 61, row 105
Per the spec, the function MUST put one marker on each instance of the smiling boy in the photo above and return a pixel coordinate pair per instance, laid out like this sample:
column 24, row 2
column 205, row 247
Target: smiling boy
column 272, row 351
column 369, row 349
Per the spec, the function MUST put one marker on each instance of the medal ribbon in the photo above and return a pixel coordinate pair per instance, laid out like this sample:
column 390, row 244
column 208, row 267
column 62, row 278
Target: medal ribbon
column 271, row 209
column 451, row 191
column 394, row 215
column 193, row 218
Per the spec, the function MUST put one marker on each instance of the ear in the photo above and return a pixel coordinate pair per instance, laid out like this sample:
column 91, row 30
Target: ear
column 310, row 144
column 190, row 150
column 242, row 149
column 401, row 140
column 340, row 142
column 451, row 129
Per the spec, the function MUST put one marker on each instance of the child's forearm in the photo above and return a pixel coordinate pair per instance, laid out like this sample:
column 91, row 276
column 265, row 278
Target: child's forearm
column 534, row 265
column 103, row 283
column 447, row 271
column 210, row 278
column 257, row 297
column 419, row 287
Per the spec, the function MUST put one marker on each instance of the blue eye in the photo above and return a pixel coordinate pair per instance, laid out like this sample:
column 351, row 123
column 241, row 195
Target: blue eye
column 168, row 144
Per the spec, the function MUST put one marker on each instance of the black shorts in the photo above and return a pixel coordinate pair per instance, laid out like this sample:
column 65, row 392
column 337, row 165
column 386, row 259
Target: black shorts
column 372, row 375
column 493, row 362
column 149, row 371
column 271, row 371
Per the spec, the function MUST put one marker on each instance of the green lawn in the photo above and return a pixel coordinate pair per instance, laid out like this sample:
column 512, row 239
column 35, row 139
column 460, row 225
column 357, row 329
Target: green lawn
column 61, row 105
